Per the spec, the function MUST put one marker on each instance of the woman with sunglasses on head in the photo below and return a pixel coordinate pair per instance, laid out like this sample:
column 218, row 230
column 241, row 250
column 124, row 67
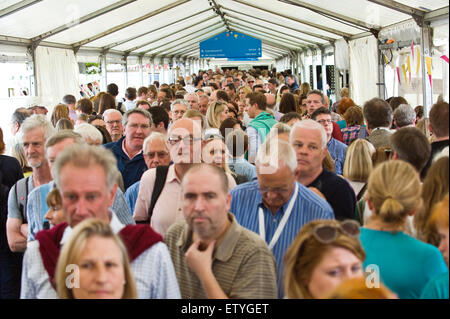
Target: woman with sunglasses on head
column 324, row 253
column 403, row 263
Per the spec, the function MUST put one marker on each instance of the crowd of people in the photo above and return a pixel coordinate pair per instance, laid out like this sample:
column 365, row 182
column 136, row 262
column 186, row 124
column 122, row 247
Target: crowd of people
column 225, row 184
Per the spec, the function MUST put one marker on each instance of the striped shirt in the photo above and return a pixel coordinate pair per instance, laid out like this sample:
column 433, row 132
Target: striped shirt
column 246, row 201
column 242, row 263
column 153, row 271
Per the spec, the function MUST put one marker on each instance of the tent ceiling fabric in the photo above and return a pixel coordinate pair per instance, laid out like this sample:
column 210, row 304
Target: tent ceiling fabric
column 167, row 28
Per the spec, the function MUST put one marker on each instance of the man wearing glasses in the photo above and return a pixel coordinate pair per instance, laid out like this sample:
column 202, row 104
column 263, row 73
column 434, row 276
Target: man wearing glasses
column 156, row 154
column 128, row 150
column 336, row 148
column 276, row 206
column 185, row 146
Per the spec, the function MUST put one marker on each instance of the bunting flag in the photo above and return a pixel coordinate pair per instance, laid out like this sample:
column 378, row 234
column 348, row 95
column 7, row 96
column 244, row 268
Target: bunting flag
column 386, row 59
column 408, row 62
column 445, row 58
column 418, row 61
column 428, row 61
column 412, row 50
column 398, row 75
column 404, row 74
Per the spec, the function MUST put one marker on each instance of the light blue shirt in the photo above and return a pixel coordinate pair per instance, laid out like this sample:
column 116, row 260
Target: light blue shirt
column 37, row 208
column 405, row 264
column 246, row 201
column 337, row 152
column 242, row 167
column 131, row 195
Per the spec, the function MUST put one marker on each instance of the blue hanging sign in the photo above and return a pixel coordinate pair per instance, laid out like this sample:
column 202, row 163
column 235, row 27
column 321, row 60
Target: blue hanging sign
column 231, row 45
column 242, row 59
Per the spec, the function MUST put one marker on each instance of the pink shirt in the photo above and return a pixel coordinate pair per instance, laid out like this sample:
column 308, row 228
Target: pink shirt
column 169, row 206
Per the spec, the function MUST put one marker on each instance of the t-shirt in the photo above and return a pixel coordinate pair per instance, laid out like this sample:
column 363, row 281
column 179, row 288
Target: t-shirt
column 437, row 288
column 405, row 264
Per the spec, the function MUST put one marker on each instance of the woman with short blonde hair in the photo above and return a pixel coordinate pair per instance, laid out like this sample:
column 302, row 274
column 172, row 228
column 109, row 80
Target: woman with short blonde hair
column 120, row 286
column 216, row 113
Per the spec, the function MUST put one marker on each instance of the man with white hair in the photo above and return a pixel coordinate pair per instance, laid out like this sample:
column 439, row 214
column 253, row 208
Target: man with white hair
column 189, row 87
column 309, row 141
column 193, row 100
column 275, row 206
column 113, row 121
column 35, row 130
column 177, row 109
column 156, row 153
column 90, row 133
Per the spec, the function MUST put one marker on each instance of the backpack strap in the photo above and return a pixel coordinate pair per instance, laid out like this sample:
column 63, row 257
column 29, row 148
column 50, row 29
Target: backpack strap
column 160, row 181
column 22, row 197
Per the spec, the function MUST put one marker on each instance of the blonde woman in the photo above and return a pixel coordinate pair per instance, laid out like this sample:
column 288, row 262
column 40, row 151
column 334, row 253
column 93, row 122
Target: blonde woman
column 215, row 152
column 99, row 259
column 323, row 254
column 243, row 91
column 216, row 114
column 403, row 263
column 358, row 165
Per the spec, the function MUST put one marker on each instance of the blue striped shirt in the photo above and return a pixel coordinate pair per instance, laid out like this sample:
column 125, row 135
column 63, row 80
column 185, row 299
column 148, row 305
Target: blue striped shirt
column 246, row 201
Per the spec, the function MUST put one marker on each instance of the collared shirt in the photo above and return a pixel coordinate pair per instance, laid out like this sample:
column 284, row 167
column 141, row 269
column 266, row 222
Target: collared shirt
column 242, row 167
column 337, row 152
column 353, row 132
column 242, row 263
column 37, row 208
column 131, row 195
column 153, row 271
column 246, row 201
column 126, row 153
column 168, row 207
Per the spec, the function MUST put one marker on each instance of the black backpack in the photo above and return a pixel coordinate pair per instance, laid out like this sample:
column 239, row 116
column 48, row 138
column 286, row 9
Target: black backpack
column 160, row 181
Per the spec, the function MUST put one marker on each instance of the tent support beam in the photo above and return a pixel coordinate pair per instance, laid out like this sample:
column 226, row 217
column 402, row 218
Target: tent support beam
column 17, row 7
column 88, row 17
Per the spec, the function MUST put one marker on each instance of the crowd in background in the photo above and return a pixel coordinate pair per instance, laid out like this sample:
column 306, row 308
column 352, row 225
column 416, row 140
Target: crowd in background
column 226, row 184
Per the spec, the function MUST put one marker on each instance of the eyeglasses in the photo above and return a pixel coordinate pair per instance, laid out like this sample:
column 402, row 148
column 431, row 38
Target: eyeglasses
column 161, row 154
column 114, row 122
column 173, row 140
column 327, row 234
column 322, row 122
column 277, row 190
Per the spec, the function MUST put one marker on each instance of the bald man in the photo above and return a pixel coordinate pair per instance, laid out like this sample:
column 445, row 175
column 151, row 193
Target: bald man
column 271, row 102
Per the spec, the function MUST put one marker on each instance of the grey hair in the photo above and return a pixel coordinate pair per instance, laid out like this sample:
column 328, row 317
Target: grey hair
column 69, row 99
column 193, row 94
column 180, row 101
column 139, row 111
column 154, row 136
column 276, row 153
column 35, row 121
column 404, row 115
column 84, row 156
column 89, row 133
column 62, row 135
column 312, row 125
column 110, row 111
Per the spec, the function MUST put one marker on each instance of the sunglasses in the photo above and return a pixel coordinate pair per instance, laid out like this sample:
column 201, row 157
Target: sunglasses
column 326, row 234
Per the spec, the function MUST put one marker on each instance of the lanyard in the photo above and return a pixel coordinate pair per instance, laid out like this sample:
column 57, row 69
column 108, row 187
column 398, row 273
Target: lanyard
column 262, row 228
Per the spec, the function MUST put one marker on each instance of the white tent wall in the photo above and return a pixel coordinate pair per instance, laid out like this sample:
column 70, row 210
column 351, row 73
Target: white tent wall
column 57, row 75
column 363, row 69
